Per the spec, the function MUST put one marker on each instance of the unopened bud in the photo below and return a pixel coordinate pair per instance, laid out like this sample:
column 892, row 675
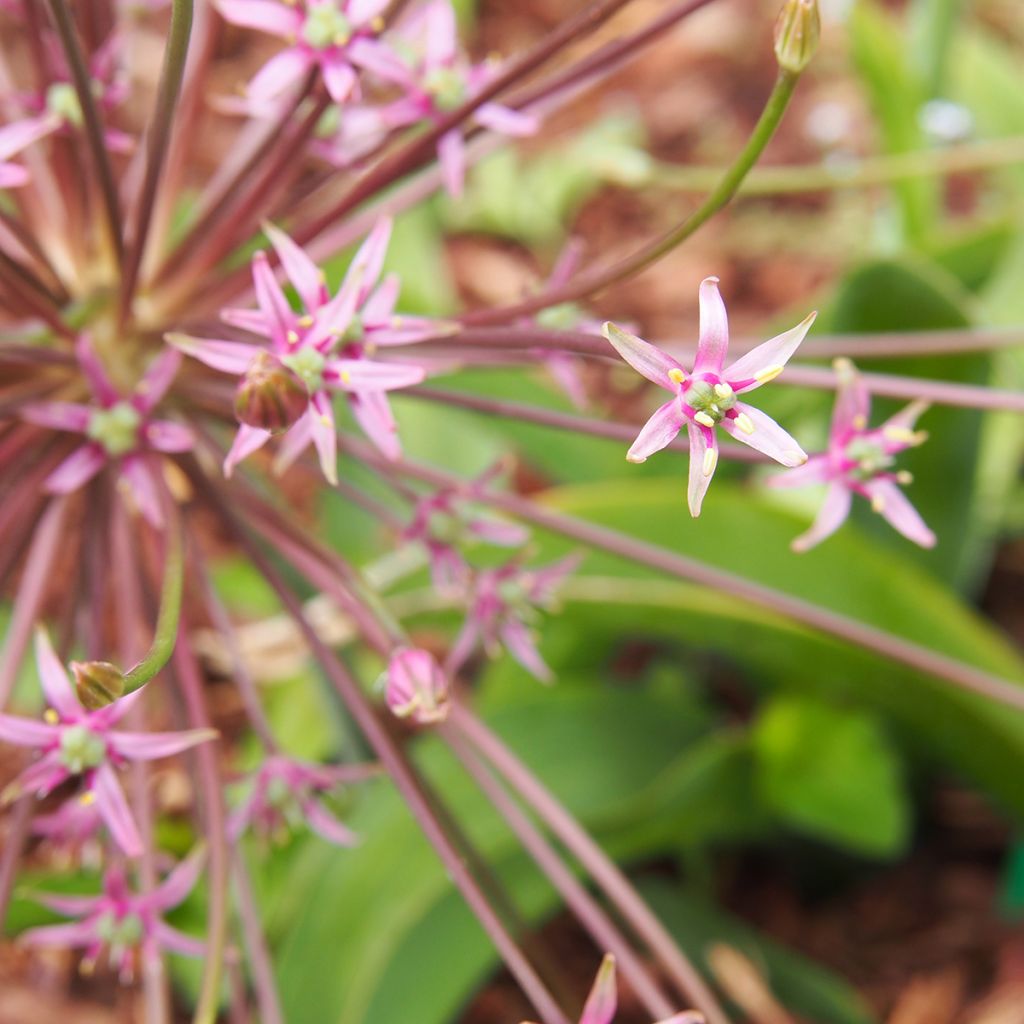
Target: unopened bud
column 97, row 683
column 417, row 688
column 796, row 34
column 270, row 396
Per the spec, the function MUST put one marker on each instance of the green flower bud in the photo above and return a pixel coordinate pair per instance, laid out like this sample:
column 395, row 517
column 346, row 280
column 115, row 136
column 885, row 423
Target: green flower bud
column 796, row 34
column 97, row 683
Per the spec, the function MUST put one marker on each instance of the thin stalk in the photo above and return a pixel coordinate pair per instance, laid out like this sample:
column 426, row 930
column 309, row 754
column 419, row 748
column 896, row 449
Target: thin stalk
column 158, row 139
column 93, row 125
column 602, row 929
column 260, row 963
column 33, row 294
column 598, row 864
column 593, row 281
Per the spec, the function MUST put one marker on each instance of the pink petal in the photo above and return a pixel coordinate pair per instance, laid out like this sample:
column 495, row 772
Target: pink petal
column 700, row 481
column 251, row 320
column 270, row 298
column 339, row 77
column 768, row 437
column 56, row 683
column 167, row 436
column 714, row 329
column 373, row 413
column 451, row 152
column 66, row 936
column 13, row 176
column 380, row 305
column 895, row 507
column 175, row 941
column 905, row 419
column 294, row 442
column 24, row 732
column 332, row 319
column 368, row 262
column 262, row 15
column 138, row 480
column 21, row 134
column 601, row 1003
column 769, row 355
column 505, row 120
column 41, row 777
column 648, row 361
column 362, row 11
column 377, row 58
column 304, row 274
column 853, row 401
column 324, row 434
column 247, row 440
column 69, row 906
column 77, row 469
column 831, row 516
column 151, row 746
column 282, row 72
column 327, row 826
column 226, row 356
column 816, row 470
column 179, row 883
column 365, row 375
column 58, row 415
column 157, row 379
column 95, row 375
column 464, row 646
column 518, row 640
column 660, row 430
column 113, row 807
column 438, row 32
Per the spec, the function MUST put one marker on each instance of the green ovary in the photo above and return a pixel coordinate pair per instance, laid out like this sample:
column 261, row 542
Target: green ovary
column 326, row 26
column 447, row 87
column 116, row 428
column 124, row 932
column 62, row 100
column 715, row 400
column 81, row 749
column 308, row 365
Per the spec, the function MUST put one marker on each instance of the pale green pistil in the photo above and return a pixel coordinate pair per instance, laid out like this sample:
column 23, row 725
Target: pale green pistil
column 308, row 365
column 871, row 459
column 116, row 428
column 326, row 26
column 81, row 749
column 447, row 87
column 711, row 401
column 121, row 933
column 62, row 100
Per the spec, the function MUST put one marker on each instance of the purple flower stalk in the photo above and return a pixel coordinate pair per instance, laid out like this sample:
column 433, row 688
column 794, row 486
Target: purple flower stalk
column 706, row 397
column 437, row 79
column 120, row 430
column 502, row 608
column 860, row 460
column 75, row 743
column 284, row 795
column 321, row 349
column 127, row 924
column 416, row 687
column 337, row 37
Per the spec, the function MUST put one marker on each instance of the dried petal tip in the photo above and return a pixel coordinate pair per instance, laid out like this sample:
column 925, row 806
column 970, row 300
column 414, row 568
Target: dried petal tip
column 97, row 683
column 417, row 688
column 270, row 397
column 796, row 34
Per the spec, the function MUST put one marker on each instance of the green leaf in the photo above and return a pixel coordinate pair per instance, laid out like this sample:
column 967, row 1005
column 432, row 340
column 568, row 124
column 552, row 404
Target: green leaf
column 832, row 773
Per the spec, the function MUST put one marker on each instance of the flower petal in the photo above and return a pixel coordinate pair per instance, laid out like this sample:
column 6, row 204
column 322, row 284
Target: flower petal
column 601, row 1003
column 648, row 361
column 660, row 430
column 816, row 470
column 167, row 436
column 327, row 826
column 21, row 134
column 262, row 15
column 767, row 360
column 380, row 305
column 157, row 379
column 339, row 77
column 180, row 882
column 451, row 152
column 247, row 440
column 324, row 434
column 505, row 120
column 518, row 640
column 368, row 262
column 306, row 277
column 77, row 469
column 174, row 941
column 294, row 442
column 281, row 73
column 767, row 436
column 26, row 732
column 853, row 401
column 270, row 298
column 831, row 515
column 56, row 683
column 95, row 375
column 373, row 413
column 58, row 415
column 703, row 460
column 357, row 375
column 151, row 746
column 113, row 807
column 226, row 356
column 888, row 500
column 143, row 489
column 65, row 936
column 714, row 329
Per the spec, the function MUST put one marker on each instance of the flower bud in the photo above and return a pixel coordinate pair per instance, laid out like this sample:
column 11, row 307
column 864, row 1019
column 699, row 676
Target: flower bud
column 97, row 683
column 796, row 34
column 416, row 688
column 270, row 396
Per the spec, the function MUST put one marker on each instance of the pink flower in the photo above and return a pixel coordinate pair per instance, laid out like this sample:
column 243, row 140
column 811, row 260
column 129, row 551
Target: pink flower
column 859, row 460
column 75, row 743
column 326, row 347
column 16, row 137
column 128, row 925
column 436, row 80
column 602, row 1002
column 504, row 603
column 283, row 796
column 706, row 397
column 335, row 36
column 417, row 687
column 119, row 430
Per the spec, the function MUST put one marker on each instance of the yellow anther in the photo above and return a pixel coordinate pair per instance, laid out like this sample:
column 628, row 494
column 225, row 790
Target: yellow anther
column 904, row 476
column 710, row 461
column 293, row 337
column 744, row 423
column 50, row 716
column 877, row 503
column 676, row 375
column 723, row 390
column 767, row 374
column 305, row 321
column 325, row 420
column 87, row 799
column 377, row 24
column 860, row 421
column 346, row 377
column 704, row 419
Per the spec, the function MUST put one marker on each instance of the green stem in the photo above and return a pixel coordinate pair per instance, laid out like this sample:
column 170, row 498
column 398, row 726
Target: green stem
column 170, row 611
column 728, row 185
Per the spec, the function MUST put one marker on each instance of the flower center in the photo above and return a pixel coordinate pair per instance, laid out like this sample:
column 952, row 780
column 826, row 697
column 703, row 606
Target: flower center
column 870, row 458
column 116, row 428
column 710, row 401
column 62, row 100
column 122, row 932
column 308, row 365
column 447, row 88
column 326, row 26
column 80, row 748
column 447, row 528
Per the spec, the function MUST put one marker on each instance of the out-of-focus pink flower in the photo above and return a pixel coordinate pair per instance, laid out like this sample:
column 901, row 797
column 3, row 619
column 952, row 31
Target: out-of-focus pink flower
column 437, row 79
column 129, row 925
column 326, row 347
column 860, row 460
column 503, row 606
column 706, row 397
column 75, row 743
column 119, row 430
column 335, row 36
column 416, row 687
column 602, row 1002
column 283, row 796
column 18, row 136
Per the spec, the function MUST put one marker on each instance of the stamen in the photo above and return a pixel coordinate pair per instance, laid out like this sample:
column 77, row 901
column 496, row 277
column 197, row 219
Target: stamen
column 904, row 476
column 305, row 321
column 710, row 461
column 723, row 390
column 50, row 716
column 293, row 337
column 704, row 419
column 676, row 375
column 768, row 373
column 744, row 423
column 877, row 503
column 860, row 421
